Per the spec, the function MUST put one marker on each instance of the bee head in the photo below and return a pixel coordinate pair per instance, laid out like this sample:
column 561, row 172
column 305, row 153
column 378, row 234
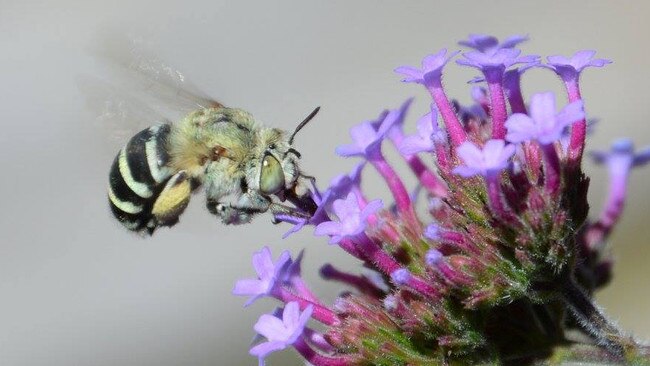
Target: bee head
column 278, row 165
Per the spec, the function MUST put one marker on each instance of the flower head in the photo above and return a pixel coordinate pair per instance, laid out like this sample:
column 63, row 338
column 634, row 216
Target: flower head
column 280, row 333
column 269, row 274
column 544, row 124
column 489, row 44
column 431, row 68
column 494, row 157
column 435, row 284
column 428, row 132
column 352, row 218
column 570, row 68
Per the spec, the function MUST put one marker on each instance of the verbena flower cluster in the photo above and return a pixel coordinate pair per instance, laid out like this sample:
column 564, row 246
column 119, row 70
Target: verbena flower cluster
column 503, row 269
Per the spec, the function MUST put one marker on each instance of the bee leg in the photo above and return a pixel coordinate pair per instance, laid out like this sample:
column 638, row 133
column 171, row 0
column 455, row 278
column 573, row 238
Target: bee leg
column 229, row 214
column 172, row 200
column 281, row 210
column 241, row 212
column 310, row 178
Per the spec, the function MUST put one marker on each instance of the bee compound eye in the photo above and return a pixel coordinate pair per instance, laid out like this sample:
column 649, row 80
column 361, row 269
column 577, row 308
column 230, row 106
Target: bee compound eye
column 271, row 176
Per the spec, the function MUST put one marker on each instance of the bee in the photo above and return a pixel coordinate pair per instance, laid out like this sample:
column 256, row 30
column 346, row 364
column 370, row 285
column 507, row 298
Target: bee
column 244, row 167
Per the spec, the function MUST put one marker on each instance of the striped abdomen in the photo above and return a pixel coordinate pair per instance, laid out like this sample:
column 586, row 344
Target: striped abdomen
column 138, row 176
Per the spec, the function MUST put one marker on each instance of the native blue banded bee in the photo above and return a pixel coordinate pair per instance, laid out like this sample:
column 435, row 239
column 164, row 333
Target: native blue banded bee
column 244, row 167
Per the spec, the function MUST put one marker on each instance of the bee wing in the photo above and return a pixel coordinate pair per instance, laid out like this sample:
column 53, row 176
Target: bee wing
column 119, row 114
column 143, row 73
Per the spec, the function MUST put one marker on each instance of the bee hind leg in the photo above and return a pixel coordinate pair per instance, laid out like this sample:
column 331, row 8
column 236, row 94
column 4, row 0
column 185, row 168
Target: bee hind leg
column 171, row 202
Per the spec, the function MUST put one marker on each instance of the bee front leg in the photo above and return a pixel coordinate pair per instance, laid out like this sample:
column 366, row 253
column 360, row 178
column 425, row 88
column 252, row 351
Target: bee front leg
column 281, row 210
column 229, row 214
column 253, row 200
column 241, row 212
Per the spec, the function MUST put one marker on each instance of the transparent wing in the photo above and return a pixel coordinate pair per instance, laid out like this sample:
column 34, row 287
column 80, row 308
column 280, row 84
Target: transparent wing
column 142, row 91
column 118, row 113
column 143, row 73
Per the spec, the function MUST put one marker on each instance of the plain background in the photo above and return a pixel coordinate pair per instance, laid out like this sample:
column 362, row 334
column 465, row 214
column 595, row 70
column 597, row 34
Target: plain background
column 76, row 289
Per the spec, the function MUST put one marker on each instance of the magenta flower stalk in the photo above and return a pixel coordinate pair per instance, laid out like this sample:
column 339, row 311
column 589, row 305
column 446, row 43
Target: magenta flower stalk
column 493, row 66
column 569, row 69
column 431, row 77
column 512, row 88
column 359, row 282
column 319, row 312
column 293, row 277
column 498, row 268
column 408, row 146
column 367, row 143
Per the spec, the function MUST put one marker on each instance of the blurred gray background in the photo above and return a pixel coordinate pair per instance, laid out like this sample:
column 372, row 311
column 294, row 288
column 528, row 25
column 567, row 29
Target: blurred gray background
column 76, row 289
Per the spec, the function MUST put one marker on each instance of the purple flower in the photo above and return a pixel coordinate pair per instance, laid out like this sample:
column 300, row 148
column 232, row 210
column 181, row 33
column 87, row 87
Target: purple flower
column 500, row 59
column 511, row 76
column 393, row 119
column 622, row 157
column 570, row 68
column 400, row 276
column 352, row 218
column 269, row 274
column 433, row 257
column 431, row 68
column 543, row 124
column 432, row 232
column 293, row 270
column 390, row 302
column 280, row 333
column 366, row 139
column 428, row 133
column 491, row 159
column 339, row 187
column 342, row 184
column 479, row 95
column 489, row 44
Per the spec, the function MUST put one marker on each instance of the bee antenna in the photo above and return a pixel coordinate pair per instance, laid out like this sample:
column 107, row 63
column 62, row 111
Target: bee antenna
column 303, row 123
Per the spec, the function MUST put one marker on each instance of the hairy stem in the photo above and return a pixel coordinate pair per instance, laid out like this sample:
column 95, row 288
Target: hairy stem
column 592, row 320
